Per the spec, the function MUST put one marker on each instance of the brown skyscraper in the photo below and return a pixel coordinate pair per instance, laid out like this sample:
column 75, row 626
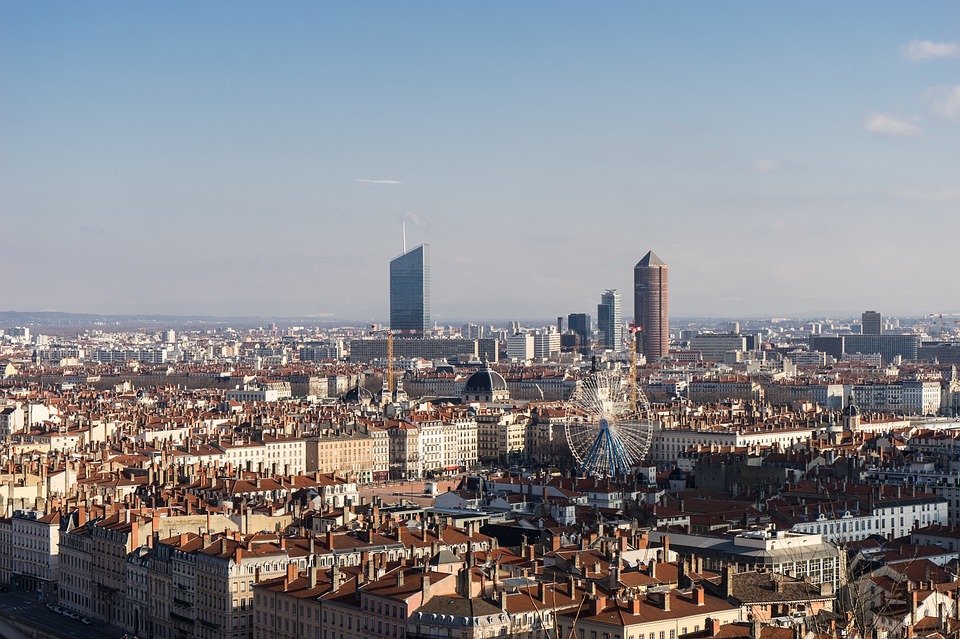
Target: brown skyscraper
column 650, row 307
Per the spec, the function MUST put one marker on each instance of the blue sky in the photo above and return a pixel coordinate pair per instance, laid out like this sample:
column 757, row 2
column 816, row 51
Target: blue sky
column 258, row 158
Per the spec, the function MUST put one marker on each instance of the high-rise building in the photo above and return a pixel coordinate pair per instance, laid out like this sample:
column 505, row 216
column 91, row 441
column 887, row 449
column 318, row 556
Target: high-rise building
column 579, row 325
column 650, row 308
column 871, row 323
column 410, row 292
column 609, row 321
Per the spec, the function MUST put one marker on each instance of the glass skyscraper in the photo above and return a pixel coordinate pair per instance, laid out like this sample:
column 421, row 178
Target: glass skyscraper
column 410, row 292
column 609, row 323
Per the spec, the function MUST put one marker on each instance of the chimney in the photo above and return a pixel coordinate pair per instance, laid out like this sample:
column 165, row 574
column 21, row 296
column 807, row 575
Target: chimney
column 666, row 601
column 755, row 629
column 665, row 540
column 312, row 572
column 699, row 596
column 425, row 588
column 597, row 604
column 542, row 592
column 713, row 627
column 335, row 576
column 292, row 571
column 635, row 606
column 330, row 540
column 727, row 580
column 400, row 577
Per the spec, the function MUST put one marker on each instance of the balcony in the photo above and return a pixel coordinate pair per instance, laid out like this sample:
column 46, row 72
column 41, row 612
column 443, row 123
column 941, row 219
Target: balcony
column 181, row 618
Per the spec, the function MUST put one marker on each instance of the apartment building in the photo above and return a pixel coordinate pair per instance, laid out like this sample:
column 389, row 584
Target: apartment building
column 344, row 450
column 287, row 455
column 388, row 603
column 668, row 443
column 660, row 615
column 34, row 550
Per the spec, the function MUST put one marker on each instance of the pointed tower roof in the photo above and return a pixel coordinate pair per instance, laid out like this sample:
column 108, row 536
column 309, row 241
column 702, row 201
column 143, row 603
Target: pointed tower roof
column 651, row 259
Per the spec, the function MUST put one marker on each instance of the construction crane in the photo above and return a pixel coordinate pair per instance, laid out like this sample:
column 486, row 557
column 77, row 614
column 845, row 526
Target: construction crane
column 389, row 333
column 634, row 397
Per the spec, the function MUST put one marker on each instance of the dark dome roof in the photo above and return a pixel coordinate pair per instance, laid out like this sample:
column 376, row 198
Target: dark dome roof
column 485, row 380
column 851, row 409
column 356, row 395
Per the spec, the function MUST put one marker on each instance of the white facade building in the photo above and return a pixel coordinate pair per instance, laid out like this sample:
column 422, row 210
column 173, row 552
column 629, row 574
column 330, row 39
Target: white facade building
column 35, row 549
column 668, row 443
column 520, row 347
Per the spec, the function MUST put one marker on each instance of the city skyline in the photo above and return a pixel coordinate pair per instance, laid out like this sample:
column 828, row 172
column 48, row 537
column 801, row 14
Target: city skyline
column 777, row 155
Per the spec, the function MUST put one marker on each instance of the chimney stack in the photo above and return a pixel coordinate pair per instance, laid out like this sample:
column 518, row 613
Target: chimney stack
column 727, row 581
column 713, row 626
column 699, row 596
column 597, row 604
column 292, row 571
column 425, row 588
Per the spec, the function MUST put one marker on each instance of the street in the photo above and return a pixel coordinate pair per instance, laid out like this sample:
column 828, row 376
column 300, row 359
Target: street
column 23, row 606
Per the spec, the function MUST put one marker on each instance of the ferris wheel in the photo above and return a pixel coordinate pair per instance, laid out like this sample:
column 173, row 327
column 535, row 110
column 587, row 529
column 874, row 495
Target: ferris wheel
column 609, row 424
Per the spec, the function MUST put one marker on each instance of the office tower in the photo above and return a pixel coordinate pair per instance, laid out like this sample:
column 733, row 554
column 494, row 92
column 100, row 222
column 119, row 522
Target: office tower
column 579, row 324
column 650, row 309
column 609, row 320
column 410, row 292
column 546, row 344
column 520, row 347
column 871, row 323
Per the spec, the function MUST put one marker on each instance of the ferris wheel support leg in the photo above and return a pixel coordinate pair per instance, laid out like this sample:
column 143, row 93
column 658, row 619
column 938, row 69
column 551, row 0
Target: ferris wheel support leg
column 591, row 460
column 619, row 460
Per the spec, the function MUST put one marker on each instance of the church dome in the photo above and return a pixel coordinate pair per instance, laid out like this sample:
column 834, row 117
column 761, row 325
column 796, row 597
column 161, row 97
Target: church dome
column 485, row 381
column 851, row 410
column 357, row 395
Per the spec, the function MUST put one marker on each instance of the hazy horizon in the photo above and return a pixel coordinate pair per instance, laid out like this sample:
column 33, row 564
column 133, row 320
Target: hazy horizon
column 231, row 159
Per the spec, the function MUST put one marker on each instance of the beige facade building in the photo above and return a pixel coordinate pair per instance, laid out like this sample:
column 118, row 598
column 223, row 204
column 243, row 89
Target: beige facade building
column 345, row 451
column 380, row 453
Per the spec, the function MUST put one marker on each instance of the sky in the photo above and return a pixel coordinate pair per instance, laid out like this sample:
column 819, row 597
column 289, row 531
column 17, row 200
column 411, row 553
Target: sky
column 252, row 158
